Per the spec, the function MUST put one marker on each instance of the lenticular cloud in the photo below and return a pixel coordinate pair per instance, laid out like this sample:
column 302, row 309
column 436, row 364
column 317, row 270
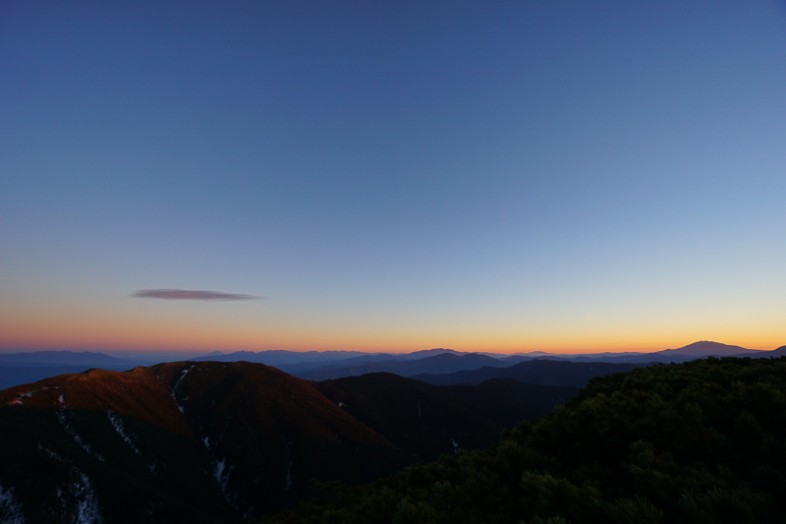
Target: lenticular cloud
column 190, row 294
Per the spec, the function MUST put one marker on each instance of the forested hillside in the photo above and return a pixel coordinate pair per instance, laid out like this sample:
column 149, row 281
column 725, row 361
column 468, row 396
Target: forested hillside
column 698, row 442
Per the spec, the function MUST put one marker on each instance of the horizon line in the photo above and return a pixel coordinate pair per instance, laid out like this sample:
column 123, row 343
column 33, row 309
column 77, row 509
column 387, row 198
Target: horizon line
column 226, row 351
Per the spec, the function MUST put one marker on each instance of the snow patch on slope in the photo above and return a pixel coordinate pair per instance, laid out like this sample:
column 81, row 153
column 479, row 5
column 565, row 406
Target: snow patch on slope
column 50, row 454
column 177, row 386
column 221, row 473
column 117, row 423
column 20, row 398
column 88, row 510
column 61, row 416
column 79, row 500
column 10, row 509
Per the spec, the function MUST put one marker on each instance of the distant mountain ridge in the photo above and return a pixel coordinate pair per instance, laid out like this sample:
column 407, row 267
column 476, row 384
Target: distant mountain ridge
column 543, row 372
column 273, row 357
column 62, row 357
column 439, row 363
column 780, row 352
column 707, row 348
column 25, row 367
column 21, row 368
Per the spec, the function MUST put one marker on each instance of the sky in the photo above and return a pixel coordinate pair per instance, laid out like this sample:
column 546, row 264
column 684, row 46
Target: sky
column 392, row 176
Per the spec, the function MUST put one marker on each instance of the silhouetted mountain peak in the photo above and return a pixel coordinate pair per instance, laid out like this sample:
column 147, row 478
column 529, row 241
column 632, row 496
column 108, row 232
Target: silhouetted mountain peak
column 706, row 348
column 443, row 356
column 779, row 352
column 425, row 353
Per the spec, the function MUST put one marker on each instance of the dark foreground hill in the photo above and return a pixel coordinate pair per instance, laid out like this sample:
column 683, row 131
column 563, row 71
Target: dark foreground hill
column 698, row 442
column 177, row 443
column 219, row 442
column 431, row 420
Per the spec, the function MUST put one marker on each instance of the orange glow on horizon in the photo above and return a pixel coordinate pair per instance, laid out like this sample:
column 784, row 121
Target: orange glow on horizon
column 149, row 329
column 193, row 339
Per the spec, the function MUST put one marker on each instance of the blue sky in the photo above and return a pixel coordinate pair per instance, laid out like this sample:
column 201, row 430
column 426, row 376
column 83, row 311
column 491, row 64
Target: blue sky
column 479, row 175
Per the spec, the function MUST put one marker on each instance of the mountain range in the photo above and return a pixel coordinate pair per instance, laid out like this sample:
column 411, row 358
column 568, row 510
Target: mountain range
column 206, row 441
column 22, row 368
column 324, row 365
column 25, row 367
column 542, row 371
column 223, row 442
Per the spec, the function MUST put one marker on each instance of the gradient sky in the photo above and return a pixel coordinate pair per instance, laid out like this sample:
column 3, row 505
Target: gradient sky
column 498, row 176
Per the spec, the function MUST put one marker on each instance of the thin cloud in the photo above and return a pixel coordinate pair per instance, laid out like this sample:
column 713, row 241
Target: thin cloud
column 190, row 294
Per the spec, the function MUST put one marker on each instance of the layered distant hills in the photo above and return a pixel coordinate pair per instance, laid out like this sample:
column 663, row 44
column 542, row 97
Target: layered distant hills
column 335, row 364
column 26, row 367
column 221, row 442
column 544, row 372
column 22, row 368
